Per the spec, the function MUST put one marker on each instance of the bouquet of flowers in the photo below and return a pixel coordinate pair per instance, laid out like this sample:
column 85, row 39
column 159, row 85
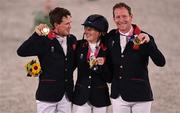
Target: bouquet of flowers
column 33, row 68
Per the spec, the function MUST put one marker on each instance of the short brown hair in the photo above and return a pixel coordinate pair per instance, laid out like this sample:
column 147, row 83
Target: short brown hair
column 57, row 14
column 120, row 5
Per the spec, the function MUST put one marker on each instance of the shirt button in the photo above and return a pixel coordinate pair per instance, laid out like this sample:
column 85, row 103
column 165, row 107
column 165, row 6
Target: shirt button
column 89, row 86
column 65, row 59
column 120, row 77
column 66, row 80
column 66, row 69
column 122, row 56
column 121, row 66
column 89, row 76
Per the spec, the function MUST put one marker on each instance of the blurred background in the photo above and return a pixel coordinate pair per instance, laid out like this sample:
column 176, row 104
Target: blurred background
column 161, row 18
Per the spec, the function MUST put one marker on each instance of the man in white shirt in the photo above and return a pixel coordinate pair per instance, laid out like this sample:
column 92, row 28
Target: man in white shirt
column 130, row 49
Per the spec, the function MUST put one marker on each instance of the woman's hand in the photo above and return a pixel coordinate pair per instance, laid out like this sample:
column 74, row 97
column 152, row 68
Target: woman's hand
column 100, row 60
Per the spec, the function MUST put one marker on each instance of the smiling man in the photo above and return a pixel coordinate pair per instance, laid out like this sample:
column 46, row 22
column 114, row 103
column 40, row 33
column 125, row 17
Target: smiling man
column 56, row 53
column 130, row 49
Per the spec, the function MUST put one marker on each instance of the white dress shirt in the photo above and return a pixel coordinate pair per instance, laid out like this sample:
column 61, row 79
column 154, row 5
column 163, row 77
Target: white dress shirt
column 63, row 43
column 124, row 38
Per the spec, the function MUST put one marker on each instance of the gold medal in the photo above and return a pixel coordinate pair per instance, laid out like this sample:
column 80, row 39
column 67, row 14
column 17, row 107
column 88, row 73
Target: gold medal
column 92, row 61
column 45, row 31
column 137, row 41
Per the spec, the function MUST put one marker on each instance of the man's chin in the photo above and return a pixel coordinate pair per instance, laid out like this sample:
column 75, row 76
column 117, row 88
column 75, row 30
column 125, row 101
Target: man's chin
column 122, row 28
column 66, row 34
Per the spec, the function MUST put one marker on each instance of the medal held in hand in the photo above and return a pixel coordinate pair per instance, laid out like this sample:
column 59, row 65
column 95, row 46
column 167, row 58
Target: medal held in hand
column 45, row 31
column 137, row 42
column 93, row 62
column 49, row 33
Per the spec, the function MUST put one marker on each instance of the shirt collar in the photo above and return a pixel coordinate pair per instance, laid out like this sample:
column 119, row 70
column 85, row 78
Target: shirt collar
column 60, row 38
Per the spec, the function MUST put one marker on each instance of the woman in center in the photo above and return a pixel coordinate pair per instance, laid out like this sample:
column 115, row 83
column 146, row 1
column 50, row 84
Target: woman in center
column 91, row 91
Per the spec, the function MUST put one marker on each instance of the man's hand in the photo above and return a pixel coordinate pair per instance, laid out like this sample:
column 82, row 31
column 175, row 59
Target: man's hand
column 39, row 29
column 144, row 38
